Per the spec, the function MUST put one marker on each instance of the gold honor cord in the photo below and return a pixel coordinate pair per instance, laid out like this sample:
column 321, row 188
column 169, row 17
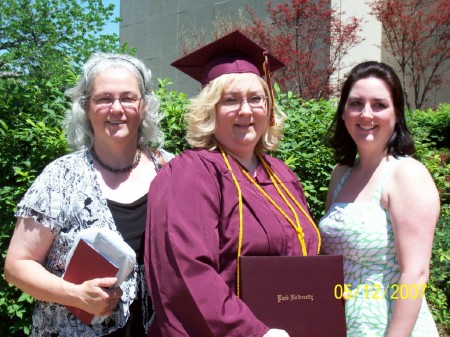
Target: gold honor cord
column 275, row 180
column 296, row 225
column 241, row 224
column 274, row 177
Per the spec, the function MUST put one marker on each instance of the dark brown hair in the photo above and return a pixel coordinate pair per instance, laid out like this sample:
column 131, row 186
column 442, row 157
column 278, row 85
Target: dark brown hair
column 401, row 142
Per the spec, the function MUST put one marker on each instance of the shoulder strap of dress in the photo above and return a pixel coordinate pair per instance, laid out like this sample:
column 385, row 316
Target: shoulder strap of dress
column 341, row 182
column 387, row 171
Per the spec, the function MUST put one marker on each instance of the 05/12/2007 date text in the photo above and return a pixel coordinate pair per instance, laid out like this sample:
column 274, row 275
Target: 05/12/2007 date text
column 378, row 291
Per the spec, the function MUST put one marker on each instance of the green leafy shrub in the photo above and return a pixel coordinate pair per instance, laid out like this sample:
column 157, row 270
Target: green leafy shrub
column 30, row 137
column 302, row 147
column 433, row 125
column 438, row 291
column 431, row 130
column 173, row 107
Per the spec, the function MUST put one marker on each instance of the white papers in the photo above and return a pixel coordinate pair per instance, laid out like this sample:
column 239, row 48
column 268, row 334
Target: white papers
column 112, row 246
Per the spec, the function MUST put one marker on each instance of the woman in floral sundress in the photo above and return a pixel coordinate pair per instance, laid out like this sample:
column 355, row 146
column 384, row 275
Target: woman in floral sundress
column 382, row 208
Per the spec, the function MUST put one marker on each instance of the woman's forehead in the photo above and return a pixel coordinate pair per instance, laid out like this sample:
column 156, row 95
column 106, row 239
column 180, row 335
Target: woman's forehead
column 244, row 82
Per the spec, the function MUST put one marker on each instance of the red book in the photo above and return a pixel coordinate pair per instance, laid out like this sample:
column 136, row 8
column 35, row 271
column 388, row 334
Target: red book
column 295, row 293
column 86, row 264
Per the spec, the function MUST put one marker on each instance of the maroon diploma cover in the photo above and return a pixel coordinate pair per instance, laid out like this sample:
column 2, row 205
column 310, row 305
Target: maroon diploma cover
column 86, row 264
column 295, row 293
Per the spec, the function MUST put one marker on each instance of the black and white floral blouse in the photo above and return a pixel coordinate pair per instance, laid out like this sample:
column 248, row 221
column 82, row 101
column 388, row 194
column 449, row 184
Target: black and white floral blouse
column 66, row 198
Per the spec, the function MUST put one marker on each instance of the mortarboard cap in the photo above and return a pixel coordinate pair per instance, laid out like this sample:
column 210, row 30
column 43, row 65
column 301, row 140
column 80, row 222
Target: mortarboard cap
column 233, row 53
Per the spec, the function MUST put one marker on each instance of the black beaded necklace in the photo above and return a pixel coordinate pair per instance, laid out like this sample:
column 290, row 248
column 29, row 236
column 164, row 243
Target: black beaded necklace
column 117, row 170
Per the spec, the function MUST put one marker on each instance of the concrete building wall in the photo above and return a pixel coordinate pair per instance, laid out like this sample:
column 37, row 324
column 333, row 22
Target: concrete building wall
column 154, row 28
column 370, row 48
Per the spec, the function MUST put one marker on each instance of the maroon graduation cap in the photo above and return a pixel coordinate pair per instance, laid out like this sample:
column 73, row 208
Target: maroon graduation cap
column 233, row 53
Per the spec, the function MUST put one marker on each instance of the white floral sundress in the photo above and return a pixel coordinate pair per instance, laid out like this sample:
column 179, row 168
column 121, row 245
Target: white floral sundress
column 362, row 232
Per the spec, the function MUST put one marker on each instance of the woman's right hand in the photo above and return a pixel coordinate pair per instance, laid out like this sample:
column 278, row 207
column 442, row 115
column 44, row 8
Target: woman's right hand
column 97, row 297
column 276, row 333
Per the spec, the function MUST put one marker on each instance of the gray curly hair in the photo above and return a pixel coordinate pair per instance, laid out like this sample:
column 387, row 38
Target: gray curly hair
column 78, row 128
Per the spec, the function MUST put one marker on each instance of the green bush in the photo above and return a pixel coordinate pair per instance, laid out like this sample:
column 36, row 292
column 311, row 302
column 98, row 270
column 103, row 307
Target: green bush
column 302, row 147
column 432, row 125
column 431, row 130
column 173, row 106
column 438, row 291
column 30, row 137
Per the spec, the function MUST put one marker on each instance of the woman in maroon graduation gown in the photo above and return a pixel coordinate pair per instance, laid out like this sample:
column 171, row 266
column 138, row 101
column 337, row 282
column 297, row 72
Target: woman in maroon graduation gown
column 223, row 199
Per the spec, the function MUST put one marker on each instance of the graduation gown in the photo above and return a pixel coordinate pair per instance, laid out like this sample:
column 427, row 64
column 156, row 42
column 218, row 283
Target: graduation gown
column 192, row 242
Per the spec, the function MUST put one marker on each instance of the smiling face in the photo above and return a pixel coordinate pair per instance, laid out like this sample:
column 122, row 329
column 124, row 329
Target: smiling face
column 239, row 129
column 369, row 114
column 116, row 122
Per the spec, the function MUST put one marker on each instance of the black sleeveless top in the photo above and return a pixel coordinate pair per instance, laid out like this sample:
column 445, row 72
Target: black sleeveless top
column 130, row 222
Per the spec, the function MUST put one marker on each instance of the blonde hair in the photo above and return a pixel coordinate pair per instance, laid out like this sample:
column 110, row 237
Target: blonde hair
column 202, row 123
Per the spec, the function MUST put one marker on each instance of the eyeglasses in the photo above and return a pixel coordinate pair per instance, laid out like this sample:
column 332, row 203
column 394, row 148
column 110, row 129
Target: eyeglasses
column 235, row 103
column 108, row 101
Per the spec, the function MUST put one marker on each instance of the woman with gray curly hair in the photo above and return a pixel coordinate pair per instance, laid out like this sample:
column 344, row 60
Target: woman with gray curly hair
column 102, row 185
column 223, row 199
